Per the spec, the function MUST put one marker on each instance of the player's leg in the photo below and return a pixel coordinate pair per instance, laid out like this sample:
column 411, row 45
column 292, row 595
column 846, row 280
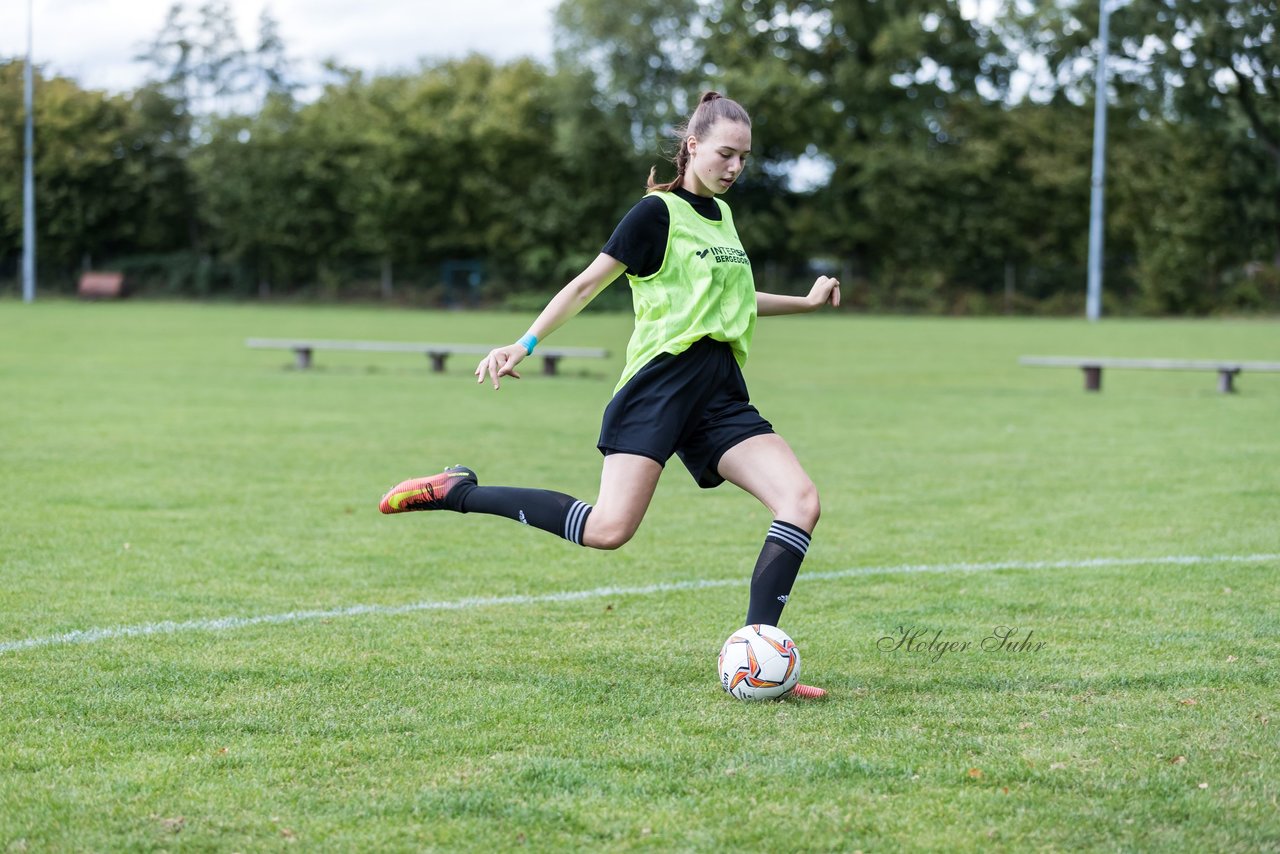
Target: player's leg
column 766, row 467
column 626, row 486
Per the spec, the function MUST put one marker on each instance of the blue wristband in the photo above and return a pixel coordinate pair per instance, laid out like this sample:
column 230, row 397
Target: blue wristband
column 529, row 341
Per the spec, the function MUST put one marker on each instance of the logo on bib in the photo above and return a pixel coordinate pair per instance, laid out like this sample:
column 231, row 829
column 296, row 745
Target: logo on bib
column 725, row 255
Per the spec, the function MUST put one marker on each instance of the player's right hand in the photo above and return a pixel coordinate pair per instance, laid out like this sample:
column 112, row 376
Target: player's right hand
column 501, row 362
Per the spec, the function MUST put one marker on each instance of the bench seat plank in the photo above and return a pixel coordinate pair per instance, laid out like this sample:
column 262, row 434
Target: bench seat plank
column 1093, row 365
column 1147, row 364
column 438, row 353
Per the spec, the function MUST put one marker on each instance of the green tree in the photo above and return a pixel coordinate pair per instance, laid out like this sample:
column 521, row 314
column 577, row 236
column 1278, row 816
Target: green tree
column 156, row 181
column 1193, row 214
column 849, row 85
column 467, row 159
column 109, row 180
column 1218, row 64
column 1197, row 82
column 506, row 163
column 199, row 61
column 12, row 118
column 256, row 197
column 647, row 58
column 271, row 71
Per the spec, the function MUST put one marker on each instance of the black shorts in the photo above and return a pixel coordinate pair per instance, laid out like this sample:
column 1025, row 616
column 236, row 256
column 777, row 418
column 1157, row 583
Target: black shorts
column 694, row 404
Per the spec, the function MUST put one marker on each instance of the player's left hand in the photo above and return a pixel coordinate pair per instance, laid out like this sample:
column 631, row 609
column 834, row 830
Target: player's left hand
column 825, row 291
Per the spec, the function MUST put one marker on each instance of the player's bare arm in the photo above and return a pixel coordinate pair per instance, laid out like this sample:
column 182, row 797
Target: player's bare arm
column 825, row 291
column 566, row 304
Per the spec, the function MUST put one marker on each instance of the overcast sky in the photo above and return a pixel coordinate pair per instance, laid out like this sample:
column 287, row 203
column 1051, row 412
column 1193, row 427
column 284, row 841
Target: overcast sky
column 94, row 40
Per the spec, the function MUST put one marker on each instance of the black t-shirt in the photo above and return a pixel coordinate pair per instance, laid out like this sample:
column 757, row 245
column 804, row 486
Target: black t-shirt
column 640, row 240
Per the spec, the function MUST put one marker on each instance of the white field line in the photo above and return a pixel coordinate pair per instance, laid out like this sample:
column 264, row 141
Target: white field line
column 167, row 627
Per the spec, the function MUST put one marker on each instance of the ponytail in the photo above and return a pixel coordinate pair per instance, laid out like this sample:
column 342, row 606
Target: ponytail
column 712, row 107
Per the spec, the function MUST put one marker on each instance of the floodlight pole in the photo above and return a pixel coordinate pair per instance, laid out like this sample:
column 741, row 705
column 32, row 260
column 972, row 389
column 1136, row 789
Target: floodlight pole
column 1093, row 305
column 28, row 179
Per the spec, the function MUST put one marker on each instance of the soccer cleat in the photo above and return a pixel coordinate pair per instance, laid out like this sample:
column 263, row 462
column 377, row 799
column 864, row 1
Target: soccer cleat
column 425, row 493
column 808, row 692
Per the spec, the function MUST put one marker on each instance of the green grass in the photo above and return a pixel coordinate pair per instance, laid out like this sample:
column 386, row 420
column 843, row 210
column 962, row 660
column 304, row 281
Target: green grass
column 156, row 470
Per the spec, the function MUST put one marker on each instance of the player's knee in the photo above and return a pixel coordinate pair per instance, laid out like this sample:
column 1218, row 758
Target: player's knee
column 607, row 534
column 803, row 505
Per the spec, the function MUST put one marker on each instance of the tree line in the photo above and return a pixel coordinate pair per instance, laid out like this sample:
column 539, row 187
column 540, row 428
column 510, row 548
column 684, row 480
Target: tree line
column 935, row 162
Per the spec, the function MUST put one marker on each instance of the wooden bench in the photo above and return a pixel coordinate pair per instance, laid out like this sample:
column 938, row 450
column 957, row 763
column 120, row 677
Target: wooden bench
column 438, row 353
column 100, row 285
column 1092, row 367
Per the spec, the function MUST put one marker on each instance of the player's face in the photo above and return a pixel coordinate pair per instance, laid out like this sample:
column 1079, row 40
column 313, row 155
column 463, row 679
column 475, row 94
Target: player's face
column 718, row 158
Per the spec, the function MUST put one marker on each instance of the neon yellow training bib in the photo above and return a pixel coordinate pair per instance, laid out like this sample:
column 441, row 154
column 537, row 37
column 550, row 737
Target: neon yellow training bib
column 704, row 289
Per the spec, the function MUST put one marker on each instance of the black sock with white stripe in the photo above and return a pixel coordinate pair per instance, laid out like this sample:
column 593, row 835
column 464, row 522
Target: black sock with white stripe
column 784, row 548
column 555, row 512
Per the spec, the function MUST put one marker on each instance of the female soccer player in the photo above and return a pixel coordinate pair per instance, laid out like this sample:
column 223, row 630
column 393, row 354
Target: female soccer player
column 682, row 390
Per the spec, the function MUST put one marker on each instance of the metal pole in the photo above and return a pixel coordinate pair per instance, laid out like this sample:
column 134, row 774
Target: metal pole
column 28, row 181
column 1093, row 305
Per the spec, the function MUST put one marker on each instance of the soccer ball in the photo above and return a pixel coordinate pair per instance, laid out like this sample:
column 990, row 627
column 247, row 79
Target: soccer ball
column 759, row 663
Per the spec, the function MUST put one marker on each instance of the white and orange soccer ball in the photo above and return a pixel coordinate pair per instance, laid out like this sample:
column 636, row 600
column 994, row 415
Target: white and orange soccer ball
column 759, row 663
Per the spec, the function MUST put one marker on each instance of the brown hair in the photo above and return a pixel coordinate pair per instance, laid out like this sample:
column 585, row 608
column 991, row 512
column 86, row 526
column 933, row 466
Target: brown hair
column 712, row 107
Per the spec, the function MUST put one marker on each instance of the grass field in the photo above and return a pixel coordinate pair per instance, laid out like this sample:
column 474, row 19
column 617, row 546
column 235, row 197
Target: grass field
column 159, row 477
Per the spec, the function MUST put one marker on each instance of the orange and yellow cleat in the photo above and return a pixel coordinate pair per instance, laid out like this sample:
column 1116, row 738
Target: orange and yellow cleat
column 425, row 493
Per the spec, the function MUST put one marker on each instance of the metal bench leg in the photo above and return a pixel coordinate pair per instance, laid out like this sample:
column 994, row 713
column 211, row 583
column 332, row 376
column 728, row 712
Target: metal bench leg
column 437, row 361
column 1227, row 381
column 549, row 364
column 1092, row 377
column 303, row 356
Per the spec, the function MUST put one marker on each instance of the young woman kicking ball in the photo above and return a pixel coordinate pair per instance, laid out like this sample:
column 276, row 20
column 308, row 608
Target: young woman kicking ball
column 682, row 391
